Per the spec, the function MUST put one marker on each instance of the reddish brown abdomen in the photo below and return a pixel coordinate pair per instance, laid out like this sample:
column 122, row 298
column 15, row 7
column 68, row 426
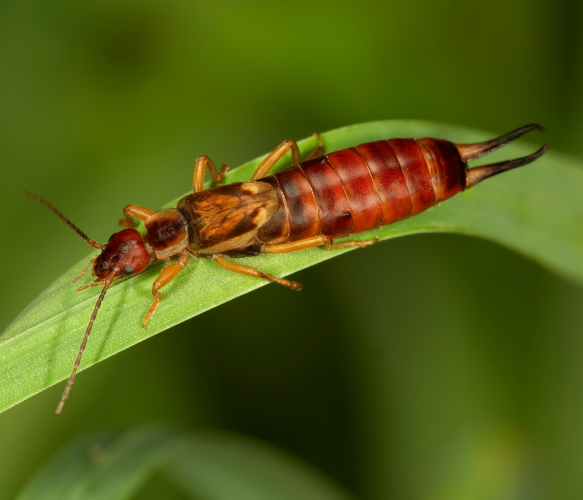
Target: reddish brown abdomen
column 358, row 189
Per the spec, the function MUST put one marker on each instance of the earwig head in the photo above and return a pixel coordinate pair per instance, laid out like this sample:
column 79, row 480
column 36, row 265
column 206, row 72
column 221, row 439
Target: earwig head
column 469, row 152
column 125, row 253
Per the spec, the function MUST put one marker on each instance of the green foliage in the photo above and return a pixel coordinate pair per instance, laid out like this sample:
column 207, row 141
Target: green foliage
column 202, row 465
column 430, row 367
column 535, row 211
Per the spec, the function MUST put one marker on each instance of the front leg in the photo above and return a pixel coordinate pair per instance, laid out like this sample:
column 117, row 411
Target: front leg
column 166, row 276
column 139, row 213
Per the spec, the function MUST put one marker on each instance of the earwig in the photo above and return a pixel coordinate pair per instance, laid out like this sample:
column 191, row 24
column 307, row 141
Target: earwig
column 315, row 201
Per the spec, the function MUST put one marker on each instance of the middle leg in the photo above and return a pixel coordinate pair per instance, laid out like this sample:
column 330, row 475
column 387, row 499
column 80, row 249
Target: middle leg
column 202, row 162
column 251, row 271
column 315, row 241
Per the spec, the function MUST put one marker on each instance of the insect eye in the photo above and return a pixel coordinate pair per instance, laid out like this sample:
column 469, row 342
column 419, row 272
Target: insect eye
column 128, row 270
column 111, row 237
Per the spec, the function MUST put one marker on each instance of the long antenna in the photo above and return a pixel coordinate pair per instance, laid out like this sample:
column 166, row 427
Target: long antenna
column 108, row 282
column 93, row 243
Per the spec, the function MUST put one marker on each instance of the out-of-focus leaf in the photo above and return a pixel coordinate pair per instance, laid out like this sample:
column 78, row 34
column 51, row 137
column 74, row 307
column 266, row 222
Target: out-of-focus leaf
column 214, row 466
column 60, row 475
column 221, row 467
column 536, row 210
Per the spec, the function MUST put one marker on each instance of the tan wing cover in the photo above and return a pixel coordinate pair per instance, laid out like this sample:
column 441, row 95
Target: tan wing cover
column 227, row 217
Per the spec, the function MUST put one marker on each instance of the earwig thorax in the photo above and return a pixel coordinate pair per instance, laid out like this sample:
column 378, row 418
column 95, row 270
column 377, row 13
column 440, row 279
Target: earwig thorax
column 167, row 233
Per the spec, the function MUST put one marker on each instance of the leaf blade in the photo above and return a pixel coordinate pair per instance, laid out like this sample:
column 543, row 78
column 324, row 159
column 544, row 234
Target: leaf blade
column 534, row 211
column 203, row 465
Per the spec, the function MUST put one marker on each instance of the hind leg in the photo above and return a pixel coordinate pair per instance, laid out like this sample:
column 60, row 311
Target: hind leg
column 317, row 241
column 266, row 165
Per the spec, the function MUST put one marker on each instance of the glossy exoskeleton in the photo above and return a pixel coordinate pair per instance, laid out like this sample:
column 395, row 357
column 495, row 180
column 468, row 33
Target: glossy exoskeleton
column 310, row 204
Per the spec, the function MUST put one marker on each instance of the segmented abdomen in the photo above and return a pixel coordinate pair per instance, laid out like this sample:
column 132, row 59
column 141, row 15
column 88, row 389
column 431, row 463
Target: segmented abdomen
column 362, row 188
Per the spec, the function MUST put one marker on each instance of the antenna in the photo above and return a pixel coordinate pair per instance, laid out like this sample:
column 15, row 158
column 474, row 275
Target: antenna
column 93, row 243
column 108, row 282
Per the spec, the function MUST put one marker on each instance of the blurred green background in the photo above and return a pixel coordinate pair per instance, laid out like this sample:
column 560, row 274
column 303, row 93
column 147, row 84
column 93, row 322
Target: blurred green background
column 430, row 367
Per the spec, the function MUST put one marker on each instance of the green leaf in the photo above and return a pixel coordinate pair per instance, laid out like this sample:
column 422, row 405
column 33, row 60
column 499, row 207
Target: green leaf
column 221, row 466
column 203, row 465
column 536, row 211
column 60, row 475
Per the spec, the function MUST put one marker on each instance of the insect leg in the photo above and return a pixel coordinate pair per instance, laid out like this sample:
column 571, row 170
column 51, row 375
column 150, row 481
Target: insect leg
column 90, row 285
column 276, row 155
column 330, row 245
column 139, row 213
column 84, row 271
column 294, row 246
column 319, row 150
column 316, row 241
column 202, row 162
column 166, row 276
column 266, row 165
column 251, row 271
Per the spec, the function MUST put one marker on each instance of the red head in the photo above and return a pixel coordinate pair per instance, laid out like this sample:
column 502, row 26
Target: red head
column 125, row 253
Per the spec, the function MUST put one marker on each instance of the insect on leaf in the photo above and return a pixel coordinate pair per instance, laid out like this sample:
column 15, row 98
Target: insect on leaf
column 535, row 210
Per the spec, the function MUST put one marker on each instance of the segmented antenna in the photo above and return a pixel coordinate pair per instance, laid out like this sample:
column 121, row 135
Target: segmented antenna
column 108, row 282
column 93, row 243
